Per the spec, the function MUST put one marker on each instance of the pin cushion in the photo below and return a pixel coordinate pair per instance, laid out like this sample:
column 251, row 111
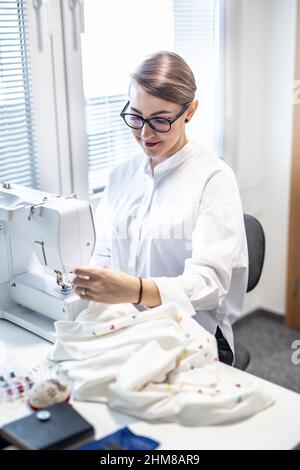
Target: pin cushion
column 48, row 392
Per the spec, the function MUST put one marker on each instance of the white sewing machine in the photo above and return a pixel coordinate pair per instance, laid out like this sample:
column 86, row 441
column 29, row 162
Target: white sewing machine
column 43, row 237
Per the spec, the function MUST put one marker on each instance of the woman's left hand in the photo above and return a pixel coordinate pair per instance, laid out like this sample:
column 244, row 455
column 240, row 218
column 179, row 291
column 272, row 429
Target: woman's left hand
column 107, row 285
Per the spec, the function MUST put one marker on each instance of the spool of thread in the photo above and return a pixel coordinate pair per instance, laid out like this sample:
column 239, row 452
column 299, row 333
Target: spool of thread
column 13, row 387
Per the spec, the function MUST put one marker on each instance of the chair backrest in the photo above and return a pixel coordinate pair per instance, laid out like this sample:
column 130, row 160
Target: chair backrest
column 256, row 249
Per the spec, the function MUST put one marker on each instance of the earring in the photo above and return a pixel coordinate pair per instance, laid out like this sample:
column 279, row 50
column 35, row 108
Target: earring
column 186, row 120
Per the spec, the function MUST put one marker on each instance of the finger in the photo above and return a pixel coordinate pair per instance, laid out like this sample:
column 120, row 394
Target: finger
column 89, row 290
column 81, row 282
column 81, row 290
column 87, row 295
column 88, row 273
column 83, row 272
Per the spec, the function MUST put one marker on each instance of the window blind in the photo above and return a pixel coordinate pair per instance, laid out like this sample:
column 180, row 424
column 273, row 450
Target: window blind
column 107, row 139
column 199, row 37
column 17, row 141
column 192, row 28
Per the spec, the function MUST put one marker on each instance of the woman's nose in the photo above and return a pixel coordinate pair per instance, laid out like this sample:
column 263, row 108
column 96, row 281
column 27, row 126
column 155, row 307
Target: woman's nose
column 146, row 131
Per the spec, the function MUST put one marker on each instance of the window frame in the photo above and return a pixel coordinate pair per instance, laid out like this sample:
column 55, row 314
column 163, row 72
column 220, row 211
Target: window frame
column 49, row 93
column 58, row 69
column 73, row 26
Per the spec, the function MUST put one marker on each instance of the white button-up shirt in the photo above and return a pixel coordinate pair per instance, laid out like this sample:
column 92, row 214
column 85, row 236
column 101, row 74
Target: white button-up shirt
column 181, row 225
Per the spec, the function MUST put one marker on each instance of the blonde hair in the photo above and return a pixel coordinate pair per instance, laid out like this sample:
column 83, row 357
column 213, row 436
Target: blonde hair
column 166, row 75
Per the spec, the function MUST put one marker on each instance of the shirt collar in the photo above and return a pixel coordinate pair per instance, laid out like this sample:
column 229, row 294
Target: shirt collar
column 171, row 163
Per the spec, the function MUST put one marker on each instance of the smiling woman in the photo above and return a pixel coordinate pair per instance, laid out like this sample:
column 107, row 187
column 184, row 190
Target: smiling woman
column 169, row 82
column 170, row 223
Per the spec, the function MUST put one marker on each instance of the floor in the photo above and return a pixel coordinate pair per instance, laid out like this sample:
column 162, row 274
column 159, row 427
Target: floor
column 269, row 341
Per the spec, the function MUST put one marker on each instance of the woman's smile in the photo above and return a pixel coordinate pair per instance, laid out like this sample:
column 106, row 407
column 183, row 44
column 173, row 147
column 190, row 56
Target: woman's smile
column 150, row 144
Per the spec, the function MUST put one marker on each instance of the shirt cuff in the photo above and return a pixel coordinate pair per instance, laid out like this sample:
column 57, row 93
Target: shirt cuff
column 171, row 291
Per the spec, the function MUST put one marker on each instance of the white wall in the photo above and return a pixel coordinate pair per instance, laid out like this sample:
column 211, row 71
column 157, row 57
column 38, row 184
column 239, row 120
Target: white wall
column 264, row 52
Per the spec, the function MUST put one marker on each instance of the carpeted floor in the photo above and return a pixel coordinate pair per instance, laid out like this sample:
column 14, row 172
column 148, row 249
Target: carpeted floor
column 269, row 341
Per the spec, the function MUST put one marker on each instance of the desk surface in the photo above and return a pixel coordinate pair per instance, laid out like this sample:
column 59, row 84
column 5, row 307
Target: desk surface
column 275, row 428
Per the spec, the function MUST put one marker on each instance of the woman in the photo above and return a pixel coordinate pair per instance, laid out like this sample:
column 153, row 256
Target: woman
column 170, row 222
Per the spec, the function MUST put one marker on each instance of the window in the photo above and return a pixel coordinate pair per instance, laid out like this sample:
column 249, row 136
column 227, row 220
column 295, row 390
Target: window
column 17, row 141
column 76, row 74
column 120, row 33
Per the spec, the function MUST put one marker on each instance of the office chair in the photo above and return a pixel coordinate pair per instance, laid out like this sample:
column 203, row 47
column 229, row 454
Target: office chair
column 256, row 251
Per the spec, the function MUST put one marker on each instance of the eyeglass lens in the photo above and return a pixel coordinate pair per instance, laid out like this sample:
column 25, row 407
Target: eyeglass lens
column 159, row 124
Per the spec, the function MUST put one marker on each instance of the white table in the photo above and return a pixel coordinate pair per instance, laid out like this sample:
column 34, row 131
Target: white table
column 275, row 428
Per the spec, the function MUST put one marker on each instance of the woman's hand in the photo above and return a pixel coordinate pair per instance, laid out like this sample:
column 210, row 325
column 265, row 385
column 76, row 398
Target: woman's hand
column 107, row 285
column 111, row 286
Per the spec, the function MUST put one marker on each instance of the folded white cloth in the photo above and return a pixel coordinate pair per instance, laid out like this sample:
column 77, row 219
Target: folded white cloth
column 158, row 364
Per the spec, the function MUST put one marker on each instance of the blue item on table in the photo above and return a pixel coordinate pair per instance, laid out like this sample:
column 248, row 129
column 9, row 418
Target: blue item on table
column 123, row 439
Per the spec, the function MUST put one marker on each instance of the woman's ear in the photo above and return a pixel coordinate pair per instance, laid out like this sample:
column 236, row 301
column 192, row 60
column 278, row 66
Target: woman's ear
column 191, row 110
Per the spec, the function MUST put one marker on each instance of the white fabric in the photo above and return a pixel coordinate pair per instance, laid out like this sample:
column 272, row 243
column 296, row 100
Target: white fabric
column 183, row 227
column 157, row 365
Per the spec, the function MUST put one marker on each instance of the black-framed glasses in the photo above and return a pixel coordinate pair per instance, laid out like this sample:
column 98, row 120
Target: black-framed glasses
column 158, row 124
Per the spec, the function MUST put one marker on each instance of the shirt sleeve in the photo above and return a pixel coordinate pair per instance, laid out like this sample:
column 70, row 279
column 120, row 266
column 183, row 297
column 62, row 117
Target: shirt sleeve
column 102, row 251
column 218, row 241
